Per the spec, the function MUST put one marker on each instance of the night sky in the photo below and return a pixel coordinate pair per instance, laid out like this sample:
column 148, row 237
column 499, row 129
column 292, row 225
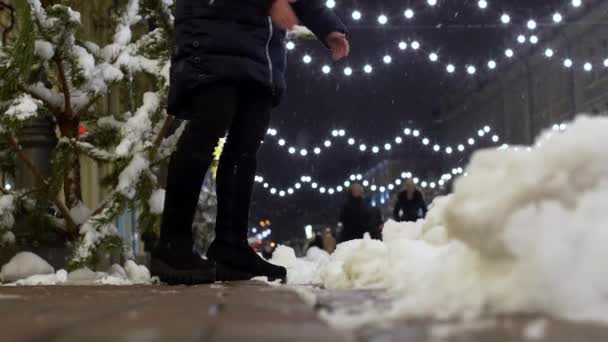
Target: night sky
column 378, row 106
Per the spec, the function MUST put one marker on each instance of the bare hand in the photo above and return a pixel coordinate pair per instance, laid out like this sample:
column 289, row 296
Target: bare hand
column 283, row 15
column 339, row 45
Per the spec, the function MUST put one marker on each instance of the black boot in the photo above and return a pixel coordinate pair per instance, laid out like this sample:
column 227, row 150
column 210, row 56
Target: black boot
column 234, row 258
column 175, row 263
column 238, row 261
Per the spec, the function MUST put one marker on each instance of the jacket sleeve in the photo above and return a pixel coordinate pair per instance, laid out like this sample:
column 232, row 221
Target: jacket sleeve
column 318, row 18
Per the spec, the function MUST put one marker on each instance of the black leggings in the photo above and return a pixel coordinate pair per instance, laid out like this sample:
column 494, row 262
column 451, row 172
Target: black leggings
column 242, row 110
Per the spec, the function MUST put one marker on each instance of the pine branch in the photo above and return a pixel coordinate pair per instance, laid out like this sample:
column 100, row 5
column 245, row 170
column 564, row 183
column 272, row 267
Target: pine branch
column 56, row 110
column 161, row 135
column 91, row 102
column 154, row 149
column 71, row 230
column 64, row 86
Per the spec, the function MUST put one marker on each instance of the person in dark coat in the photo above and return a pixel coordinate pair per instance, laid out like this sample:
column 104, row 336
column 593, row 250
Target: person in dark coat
column 227, row 74
column 316, row 242
column 410, row 205
column 358, row 217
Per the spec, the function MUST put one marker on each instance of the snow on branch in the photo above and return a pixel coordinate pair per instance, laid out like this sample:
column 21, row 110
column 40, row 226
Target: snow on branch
column 21, row 109
column 138, row 128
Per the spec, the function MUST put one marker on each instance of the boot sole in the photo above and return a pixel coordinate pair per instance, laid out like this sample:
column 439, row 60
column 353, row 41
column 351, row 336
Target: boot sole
column 228, row 273
column 171, row 276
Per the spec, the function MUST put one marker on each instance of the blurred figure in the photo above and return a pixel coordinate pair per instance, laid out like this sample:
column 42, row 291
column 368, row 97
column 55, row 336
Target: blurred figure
column 329, row 241
column 410, row 205
column 316, row 242
column 357, row 216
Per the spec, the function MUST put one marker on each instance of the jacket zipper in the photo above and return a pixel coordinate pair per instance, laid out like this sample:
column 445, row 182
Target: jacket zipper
column 271, row 32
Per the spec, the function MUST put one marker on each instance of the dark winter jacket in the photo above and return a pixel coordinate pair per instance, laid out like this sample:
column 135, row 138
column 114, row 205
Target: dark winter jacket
column 234, row 41
column 410, row 210
column 358, row 218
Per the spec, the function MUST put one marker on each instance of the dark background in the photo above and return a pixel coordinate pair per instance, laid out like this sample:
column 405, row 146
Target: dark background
column 377, row 106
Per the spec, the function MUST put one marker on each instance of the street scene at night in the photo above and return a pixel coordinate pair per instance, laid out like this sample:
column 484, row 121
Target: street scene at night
column 303, row 170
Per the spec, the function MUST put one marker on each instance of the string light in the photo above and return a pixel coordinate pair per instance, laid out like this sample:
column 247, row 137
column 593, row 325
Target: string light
column 557, row 18
column 391, row 186
column 534, row 39
column 409, row 14
column 505, row 18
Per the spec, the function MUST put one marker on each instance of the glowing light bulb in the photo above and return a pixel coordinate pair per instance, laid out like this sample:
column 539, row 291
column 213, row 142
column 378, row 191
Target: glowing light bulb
column 557, row 18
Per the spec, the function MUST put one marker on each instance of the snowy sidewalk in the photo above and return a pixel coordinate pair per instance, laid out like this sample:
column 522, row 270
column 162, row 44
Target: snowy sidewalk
column 237, row 312
column 248, row 311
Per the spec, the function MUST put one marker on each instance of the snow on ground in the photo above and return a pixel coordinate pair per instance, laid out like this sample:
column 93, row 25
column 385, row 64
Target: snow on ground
column 301, row 271
column 23, row 265
column 28, row 269
column 525, row 231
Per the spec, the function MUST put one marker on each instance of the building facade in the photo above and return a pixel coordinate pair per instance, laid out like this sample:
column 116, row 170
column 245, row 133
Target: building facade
column 535, row 91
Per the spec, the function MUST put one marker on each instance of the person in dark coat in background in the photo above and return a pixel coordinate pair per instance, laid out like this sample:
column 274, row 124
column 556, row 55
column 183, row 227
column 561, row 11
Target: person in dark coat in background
column 410, row 205
column 358, row 217
column 316, row 242
column 227, row 74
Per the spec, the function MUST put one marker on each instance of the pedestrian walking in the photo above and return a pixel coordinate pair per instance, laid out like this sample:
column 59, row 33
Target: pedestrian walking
column 411, row 205
column 357, row 216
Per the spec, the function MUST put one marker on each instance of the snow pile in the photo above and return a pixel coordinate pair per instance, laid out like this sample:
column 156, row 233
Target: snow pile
column 28, row 269
column 303, row 270
column 527, row 233
column 24, row 265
